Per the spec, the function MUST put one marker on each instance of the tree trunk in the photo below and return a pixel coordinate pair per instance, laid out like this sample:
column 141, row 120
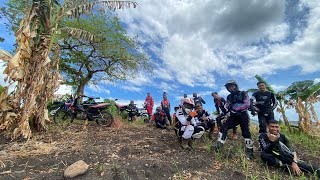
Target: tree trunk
column 33, row 92
column 283, row 112
column 80, row 90
column 83, row 83
column 314, row 115
column 304, row 116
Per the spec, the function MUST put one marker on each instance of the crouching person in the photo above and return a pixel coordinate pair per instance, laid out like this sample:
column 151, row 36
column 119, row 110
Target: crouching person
column 204, row 119
column 160, row 118
column 186, row 127
column 276, row 151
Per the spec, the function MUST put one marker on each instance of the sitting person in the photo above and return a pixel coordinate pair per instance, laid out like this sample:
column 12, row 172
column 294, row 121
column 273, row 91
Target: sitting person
column 276, row 152
column 174, row 115
column 160, row 118
column 132, row 111
column 186, row 127
column 204, row 119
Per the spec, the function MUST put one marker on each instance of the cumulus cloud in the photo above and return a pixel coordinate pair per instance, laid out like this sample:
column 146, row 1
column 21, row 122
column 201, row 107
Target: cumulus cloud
column 99, row 89
column 196, row 41
column 63, row 90
column 278, row 88
column 131, row 88
column 140, row 80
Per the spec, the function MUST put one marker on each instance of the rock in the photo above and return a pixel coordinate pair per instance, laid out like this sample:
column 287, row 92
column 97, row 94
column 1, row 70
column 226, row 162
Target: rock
column 76, row 169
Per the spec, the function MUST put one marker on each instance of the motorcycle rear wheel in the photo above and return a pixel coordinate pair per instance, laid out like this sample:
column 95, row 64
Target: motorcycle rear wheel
column 104, row 119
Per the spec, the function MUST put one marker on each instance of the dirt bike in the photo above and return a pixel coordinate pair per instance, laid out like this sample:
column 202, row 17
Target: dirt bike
column 91, row 111
column 120, row 107
column 60, row 105
column 134, row 112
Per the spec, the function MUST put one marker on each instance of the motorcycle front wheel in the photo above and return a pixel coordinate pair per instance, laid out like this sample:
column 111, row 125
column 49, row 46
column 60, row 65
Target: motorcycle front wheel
column 62, row 117
column 104, row 119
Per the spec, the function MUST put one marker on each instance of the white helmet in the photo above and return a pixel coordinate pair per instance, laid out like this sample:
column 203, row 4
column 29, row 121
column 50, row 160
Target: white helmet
column 187, row 104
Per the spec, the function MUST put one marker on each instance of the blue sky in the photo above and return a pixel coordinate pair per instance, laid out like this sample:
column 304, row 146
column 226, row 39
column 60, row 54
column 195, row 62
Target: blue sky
column 197, row 47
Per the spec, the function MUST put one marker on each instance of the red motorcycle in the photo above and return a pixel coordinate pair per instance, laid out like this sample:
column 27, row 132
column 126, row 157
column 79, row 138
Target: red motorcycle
column 86, row 111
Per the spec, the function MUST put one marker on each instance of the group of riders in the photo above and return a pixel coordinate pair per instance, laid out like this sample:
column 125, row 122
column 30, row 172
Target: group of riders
column 192, row 121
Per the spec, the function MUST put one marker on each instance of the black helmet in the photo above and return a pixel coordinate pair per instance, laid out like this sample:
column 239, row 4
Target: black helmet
column 232, row 82
column 158, row 109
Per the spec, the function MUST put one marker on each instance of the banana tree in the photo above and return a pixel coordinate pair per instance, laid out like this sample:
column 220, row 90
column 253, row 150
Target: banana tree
column 304, row 95
column 35, row 65
column 280, row 96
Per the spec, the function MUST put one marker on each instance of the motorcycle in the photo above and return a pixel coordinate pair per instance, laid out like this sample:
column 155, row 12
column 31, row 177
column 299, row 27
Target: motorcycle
column 134, row 112
column 88, row 110
column 60, row 105
column 142, row 112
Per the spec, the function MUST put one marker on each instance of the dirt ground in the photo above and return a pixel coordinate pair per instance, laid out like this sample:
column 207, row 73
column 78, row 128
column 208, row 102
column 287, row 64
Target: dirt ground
column 121, row 153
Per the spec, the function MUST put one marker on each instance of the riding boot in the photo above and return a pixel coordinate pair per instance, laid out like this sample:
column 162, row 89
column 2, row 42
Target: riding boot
column 220, row 143
column 190, row 143
column 184, row 143
column 249, row 148
column 218, row 147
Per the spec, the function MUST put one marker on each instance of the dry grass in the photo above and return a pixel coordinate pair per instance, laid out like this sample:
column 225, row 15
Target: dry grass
column 43, row 144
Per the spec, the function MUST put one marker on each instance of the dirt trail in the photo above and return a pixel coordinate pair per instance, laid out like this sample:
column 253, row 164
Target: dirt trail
column 129, row 153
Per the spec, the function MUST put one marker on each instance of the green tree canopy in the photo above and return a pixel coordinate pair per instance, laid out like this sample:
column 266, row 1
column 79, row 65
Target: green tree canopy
column 112, row 56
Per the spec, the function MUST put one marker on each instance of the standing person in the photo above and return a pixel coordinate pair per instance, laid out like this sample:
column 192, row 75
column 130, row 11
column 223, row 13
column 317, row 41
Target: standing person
column 237, row 105
column 149, row 104
column 165, row 106
column 197, row 99
column 263, row 102
column 276, row 151
column 219, row 103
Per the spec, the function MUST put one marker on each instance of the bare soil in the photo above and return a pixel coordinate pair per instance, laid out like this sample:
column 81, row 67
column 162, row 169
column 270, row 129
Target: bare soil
column 125, row 153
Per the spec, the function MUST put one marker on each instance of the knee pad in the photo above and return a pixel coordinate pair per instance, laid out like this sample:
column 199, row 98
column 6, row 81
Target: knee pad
column 249, row 143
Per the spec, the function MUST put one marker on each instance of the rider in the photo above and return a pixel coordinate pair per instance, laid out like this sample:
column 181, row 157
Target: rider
column 204, row 119
column 197, row 99
column 165, row 106
column 263, row 102
column 276, row 151
column 219, row 103
column 186, row 126
column 237, row 105
column 132, row 110
column 149, row 104
column 160, row 118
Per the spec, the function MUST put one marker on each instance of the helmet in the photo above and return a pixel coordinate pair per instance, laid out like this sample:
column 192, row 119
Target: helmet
column 187, row 104
column 158, row 109
column 187, row 101
column 232, row 82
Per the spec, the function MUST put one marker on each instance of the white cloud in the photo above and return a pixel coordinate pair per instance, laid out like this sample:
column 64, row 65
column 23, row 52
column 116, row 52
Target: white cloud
column 278, row 32
column 140, row 80
column 224, row 93
column 131, row 88
column 316, row 80
column 277, row 88
column 2, row 76
column 164, row 74
column 63, row 90
column 99, row 89
column 199, row 38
